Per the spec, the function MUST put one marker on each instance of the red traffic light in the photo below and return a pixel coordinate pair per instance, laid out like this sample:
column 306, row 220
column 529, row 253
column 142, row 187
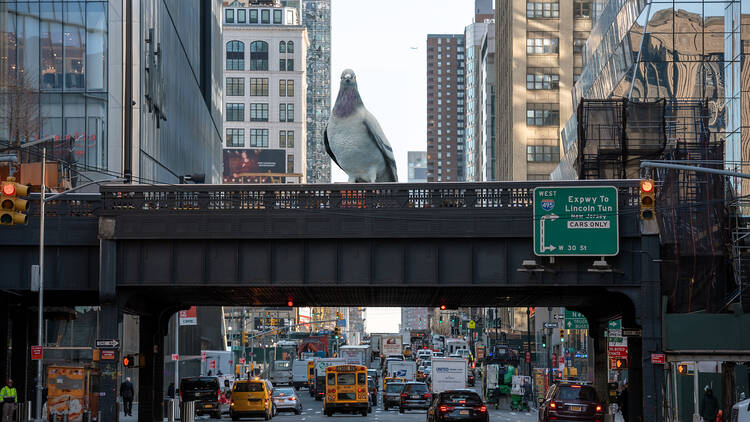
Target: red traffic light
column 647, row 186
column 442, row 307
column 126, row 361
column 9, row 189
column 290, row 303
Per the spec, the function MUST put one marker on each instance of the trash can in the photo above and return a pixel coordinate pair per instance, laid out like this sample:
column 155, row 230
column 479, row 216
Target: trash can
column 23, row 411
column 187, row 411
column 170, row 409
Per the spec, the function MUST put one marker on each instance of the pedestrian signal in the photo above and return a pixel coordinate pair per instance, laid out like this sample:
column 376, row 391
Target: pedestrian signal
column 682, row 369
column 621, row 364
column 128, row 361
column 648, row 199
column 12, row 208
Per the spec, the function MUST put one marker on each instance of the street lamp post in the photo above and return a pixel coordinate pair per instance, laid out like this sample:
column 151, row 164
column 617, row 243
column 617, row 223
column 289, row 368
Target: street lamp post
column 42, row 209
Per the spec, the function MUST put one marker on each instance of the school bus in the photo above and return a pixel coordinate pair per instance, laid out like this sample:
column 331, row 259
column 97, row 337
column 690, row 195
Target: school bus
column 346, row 390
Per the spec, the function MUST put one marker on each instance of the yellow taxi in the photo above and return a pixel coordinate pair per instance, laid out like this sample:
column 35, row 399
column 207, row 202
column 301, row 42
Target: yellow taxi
column 346, row 390
column 387, row 380
column 251, row 398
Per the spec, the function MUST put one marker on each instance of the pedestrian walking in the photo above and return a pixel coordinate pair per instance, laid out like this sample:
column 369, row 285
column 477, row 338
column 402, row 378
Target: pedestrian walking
column 9, row 398
column 127, row 392
column 709, row 406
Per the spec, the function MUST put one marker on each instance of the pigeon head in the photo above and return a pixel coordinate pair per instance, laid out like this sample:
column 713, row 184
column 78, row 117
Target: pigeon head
column 348, row 100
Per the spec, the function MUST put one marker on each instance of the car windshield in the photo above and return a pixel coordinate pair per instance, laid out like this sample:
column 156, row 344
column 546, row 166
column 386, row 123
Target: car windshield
column 283, row 392
column 576, row 392
column 460, row 398
column 415, row 388
column 199, row 384
column 248, row 387
column 394, row 388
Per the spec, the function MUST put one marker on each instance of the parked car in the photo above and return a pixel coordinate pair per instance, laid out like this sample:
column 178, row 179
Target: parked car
column 415, row 395
column 571, row 402
column 205, row 392
column 457, row 405
column 392, row 394
column 286, row 400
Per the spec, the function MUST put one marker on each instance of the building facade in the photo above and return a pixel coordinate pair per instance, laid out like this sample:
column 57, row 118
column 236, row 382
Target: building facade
column 487, row 166
column 417, row 166
column 265, row 53
column 118, row 90
column 474, row 36
column 446, row 107
column 317, row 19
column 543, row 41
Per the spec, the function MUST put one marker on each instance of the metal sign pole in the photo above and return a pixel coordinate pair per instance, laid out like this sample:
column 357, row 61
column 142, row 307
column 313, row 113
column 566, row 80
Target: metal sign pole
column 40, row 334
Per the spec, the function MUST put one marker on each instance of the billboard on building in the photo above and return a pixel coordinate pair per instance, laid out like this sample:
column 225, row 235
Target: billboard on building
column 251, row 165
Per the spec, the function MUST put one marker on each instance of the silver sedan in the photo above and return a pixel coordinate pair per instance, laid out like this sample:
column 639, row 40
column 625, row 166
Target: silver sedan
column 285, row 399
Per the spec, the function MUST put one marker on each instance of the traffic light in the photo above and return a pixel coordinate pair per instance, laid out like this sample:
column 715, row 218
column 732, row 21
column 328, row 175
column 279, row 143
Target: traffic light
column 338, row 315
column 544, row 341
column 562, row 335
column 12, row 208
column 682, row 369
column 337, row 332
column 648, row 199
column 290, row 303
column 621, row 363
column 128, row 361
column 245, row 337
column 443, row 307
column 441, row 319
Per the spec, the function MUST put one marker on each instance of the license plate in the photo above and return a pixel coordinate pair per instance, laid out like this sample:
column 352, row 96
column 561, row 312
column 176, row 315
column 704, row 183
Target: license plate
column 415, row 397
column 463, row 412
column 576, row 408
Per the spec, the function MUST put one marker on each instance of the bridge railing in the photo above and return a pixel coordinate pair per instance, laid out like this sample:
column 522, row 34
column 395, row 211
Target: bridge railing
column 73, row 204
column 118, row 199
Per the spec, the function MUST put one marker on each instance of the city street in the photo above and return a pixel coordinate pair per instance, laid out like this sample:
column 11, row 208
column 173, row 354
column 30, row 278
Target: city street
column 313, row 413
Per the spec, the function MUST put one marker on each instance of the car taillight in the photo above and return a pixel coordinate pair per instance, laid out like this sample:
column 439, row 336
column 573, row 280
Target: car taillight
column 553, row 405
column 404, row 395
column 598, row 408
column 361, row 390
column 446, row 409
column 218, row 392
column 333, row 390
column 481, row 409
column 427, row 395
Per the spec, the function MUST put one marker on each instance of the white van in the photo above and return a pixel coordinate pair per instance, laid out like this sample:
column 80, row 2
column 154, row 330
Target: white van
column 741, row 412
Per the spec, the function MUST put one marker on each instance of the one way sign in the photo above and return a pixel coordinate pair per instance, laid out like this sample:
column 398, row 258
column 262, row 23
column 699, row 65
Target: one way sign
column 108, row 344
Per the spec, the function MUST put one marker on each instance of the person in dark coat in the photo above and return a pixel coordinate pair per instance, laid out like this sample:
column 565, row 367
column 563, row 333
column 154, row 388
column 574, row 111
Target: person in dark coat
column 127, row 392
column 170, row 390
column 709, row 406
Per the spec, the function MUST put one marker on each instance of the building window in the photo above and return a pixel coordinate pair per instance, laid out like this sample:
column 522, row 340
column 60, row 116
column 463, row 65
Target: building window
column 542, row 154
column 258, row 112
column 229, row 16
column 258, row 87
column 265, row 16
column 541, row 117
column 290, row 163
column 541, row 45
column 282, row 112
column 290, row 139
column 578, row 45
column 253, row 15
column 289, row 88
column 235, row 87
column 235, row 55
column 542, row 10
column 235, row 112
column 282, row 65
column 277, row 16
column 282, row 47
column 282, row 139
column 533, row 176
column 290, row 47
column 259, row 138
column 235, row 138
column 290, row 112
column 290, row 65
column 282, row 88
column 577, row 73
column 582, row 9
column 542, row 81
column 259, row 55
column 241, row 15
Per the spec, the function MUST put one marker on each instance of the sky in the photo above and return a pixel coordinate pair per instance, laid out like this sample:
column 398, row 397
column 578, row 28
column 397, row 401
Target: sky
column 385, row 45
column 384, row 42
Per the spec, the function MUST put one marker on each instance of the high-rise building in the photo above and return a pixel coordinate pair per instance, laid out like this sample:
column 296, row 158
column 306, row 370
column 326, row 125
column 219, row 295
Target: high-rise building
column 487, row 88
column 474, row 35
column 417, row 166
column 445, row 107
column 265, row 53
column 542, row 44
column 317, row 19
column 118, row 91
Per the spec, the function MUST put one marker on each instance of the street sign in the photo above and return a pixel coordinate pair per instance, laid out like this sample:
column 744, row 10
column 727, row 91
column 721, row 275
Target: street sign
column 472, row 324
column 175, row 357
column 234, row 349
column 108, row 344
column 576, row 221
column 108, row 355
column 36, row 352
column 559, row 316
column 550, row 325
column 341, row 323
column 658, row 358
column 632, row 332
column 618, row 352
column 189, row 316
column 242, row 361
column 575, row 321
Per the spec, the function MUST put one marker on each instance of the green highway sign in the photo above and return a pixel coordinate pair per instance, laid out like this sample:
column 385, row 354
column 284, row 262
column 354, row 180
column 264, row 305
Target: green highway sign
column 576, row 221
column 575, row 321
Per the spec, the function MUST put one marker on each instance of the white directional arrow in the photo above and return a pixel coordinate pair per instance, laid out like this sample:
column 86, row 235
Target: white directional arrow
column 551, row 217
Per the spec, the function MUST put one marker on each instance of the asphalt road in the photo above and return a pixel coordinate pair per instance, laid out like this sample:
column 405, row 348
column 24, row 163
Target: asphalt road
column 312, row 412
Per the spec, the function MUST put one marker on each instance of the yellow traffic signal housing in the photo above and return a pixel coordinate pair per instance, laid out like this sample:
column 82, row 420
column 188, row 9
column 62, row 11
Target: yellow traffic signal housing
column 12, row 208
column 648, row 199
column 244, row 337
column 337, row 332
column 562, row 335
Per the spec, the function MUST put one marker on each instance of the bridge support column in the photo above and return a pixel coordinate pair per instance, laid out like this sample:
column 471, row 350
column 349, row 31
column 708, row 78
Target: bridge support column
column 21, row 371
column 4, row 338
column 151, row 376
column 601, row 362
column 109, row 318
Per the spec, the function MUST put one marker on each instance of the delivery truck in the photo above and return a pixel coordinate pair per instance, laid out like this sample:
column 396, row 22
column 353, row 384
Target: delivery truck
column 448, row 374
column 355, row 355
column 320, row 375
column 300, row 373
column 403, row 369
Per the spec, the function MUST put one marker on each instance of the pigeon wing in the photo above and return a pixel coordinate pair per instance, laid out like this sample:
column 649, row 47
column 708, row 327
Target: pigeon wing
column 328, row 147
column 377, row 136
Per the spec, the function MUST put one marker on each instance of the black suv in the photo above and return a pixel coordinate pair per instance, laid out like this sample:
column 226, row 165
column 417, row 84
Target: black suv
column 416, row 395
column 205, row 392
column 392, row 394
column 457, row 405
